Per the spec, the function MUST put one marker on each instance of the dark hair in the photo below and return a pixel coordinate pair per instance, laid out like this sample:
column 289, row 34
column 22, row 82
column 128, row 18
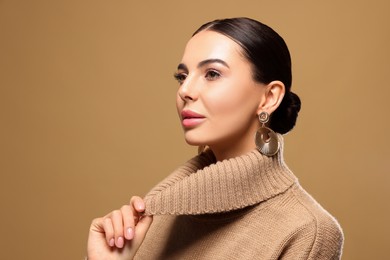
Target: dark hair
column 270, row 59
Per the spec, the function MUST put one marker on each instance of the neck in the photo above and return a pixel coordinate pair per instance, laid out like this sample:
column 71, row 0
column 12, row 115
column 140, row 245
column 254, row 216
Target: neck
column 227, row 152
column 231, row 149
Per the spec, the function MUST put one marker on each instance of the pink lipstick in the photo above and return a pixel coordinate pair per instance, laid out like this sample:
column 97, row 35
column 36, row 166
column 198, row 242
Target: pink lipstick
column 191, row 118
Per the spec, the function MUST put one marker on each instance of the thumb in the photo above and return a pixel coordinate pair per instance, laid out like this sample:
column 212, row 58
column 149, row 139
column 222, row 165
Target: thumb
column 143, row 226
column 141, row 229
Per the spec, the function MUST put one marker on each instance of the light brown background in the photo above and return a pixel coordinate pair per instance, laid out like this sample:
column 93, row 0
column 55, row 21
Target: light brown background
column 88, row 117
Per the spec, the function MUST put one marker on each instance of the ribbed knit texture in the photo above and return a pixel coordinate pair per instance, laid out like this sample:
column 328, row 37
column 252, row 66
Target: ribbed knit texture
column 248, row 207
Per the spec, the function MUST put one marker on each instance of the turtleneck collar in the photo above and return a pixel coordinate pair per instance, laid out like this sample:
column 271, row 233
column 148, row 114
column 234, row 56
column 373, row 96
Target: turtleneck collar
column 203, row 185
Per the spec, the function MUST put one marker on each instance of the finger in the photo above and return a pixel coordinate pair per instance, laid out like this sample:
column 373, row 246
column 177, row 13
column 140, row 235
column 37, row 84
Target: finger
column 140, row 232
column 144, row 224
column 138, row 204
column 128, row 221
column 109, row 231
column 142, row 228
column 117, row 221
column 97, row 225
column 137, row 207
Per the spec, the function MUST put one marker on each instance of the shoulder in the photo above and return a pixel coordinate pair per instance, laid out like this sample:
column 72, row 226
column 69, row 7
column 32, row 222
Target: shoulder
column 314, row 231
column 296, row 226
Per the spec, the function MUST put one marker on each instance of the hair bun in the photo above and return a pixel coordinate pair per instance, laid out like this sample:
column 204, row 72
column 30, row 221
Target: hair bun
column 285, row 116
column 295, row 102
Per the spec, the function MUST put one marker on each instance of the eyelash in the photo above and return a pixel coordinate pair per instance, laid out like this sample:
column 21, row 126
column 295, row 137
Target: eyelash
column 180, row 77
column 211, row 75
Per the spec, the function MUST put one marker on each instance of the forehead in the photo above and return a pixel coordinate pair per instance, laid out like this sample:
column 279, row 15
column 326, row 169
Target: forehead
column 211, row 45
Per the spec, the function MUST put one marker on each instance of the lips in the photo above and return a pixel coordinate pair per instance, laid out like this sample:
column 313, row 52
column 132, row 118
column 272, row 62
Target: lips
column 188, row 114
column 191, row 118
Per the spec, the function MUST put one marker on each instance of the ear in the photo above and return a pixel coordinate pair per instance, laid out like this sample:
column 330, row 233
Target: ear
column 274, row 93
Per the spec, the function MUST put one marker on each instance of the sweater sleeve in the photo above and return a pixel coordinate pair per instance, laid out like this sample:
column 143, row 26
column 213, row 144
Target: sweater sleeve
column 319, row 240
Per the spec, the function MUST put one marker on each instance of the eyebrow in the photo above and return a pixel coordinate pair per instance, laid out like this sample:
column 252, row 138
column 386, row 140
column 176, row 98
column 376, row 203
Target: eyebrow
column 182, row 66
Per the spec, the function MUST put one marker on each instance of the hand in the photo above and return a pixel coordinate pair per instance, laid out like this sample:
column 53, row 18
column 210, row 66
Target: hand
column 119, row 234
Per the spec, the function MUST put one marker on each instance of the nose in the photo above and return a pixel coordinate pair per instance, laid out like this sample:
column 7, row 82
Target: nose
column 188, row 90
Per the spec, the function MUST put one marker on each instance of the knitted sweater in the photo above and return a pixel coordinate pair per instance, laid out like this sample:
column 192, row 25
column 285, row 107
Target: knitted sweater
column 248, row 207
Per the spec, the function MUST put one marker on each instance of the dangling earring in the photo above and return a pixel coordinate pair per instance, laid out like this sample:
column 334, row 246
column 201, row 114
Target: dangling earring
column 266, row 140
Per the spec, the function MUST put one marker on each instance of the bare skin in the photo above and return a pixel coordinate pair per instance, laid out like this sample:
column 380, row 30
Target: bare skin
column 119, row 234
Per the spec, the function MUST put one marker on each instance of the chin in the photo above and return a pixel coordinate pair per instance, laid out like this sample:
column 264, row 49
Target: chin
column 191, row 140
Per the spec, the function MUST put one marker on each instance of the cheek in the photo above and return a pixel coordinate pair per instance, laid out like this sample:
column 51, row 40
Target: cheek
column 179, row 106
column 238, row 100
column 179, row 102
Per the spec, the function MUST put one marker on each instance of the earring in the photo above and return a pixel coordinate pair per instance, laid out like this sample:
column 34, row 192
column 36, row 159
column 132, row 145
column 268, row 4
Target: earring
column 266, row 140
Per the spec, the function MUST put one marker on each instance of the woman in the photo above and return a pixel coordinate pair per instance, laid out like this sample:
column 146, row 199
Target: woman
column 237, row 199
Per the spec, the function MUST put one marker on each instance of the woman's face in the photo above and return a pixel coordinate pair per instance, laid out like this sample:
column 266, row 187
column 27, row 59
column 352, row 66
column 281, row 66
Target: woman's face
column 218, row 101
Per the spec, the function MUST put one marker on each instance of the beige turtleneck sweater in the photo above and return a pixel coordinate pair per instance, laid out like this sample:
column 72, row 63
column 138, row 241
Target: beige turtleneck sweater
column 248, row 207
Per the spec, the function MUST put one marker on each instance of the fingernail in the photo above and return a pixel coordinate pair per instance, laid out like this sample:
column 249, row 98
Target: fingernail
column 112, row 242
column 120, row 242
column 129, row 233
column 141, row 206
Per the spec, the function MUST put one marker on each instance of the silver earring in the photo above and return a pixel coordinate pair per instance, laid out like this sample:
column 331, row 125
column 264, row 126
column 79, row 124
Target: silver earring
column 266, row 140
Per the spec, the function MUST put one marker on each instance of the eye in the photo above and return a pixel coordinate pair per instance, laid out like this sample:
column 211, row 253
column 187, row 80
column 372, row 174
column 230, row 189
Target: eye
column 212, row 75
column 180, row 77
